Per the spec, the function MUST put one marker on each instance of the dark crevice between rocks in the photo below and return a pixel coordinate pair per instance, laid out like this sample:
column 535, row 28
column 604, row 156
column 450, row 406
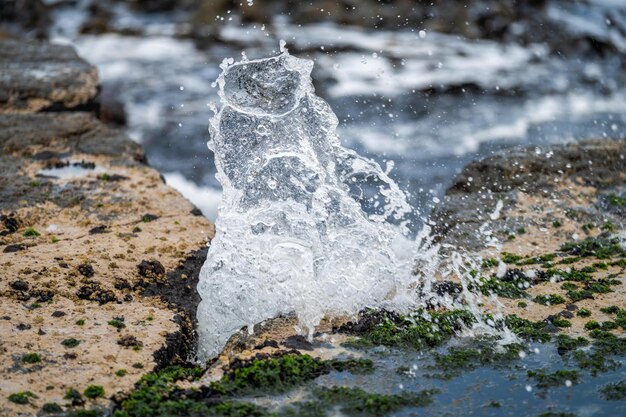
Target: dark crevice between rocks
column 178, row 290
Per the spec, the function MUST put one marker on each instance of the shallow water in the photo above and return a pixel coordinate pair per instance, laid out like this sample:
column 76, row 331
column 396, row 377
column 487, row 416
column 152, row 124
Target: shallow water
column 472, row 392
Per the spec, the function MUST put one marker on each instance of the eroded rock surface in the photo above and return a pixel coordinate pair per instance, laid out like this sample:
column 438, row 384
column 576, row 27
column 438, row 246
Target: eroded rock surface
column 94, row 249
column 554, row 216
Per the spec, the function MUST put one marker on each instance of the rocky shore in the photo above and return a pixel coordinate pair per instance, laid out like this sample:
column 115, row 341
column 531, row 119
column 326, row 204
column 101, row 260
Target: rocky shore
column 99, row 263
column 98, row 256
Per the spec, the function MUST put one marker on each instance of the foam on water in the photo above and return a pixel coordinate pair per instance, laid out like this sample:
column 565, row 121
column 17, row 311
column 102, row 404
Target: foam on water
column 292, row 233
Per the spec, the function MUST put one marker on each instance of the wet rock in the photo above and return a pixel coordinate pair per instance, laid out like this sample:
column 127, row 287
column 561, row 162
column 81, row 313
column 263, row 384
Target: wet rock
column 86, row 270
column 94, row 292
column 20, row 285
column 98, row 229
column 447, row 287
column 298, row 342
column 42, row 295
column 23, row 326
column 151, row 268
column 40, row 76
column 112, row 111
column 147, row 218
column 566, row 314
column 10, row 223
column 58, row 313
column 267, row 343
column 122, row 284
column 129, row 341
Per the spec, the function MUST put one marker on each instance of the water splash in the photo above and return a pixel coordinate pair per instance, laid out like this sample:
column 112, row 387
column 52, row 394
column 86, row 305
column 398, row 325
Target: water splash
column 305, row 225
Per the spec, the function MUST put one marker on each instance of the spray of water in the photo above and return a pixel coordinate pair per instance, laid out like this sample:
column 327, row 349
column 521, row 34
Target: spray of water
column 305, row 225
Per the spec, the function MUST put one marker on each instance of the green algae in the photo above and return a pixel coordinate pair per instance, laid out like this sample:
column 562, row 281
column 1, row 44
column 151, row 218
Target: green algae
column 613, row 392
column 357, row 402
column 493, row 285
column 554, row 379
column 509, row 258
column 282, row 373
column 22, row 397
column 560, row 322
column 600, row 359
column 31, row 358
column 51, row 408
column 600, row 247
column 565, row 343
column 591, row 325
column 490, row 263
column 526, row 329
column 73, row 395
column 615, row 200
column 462, row 358
column 570, row 260
column 549, row 299
column 30, row 232
column 117, row 323
column 583, row 312
column 94, row 391
column 70, row 343
column 156, row 394
column 416, row 331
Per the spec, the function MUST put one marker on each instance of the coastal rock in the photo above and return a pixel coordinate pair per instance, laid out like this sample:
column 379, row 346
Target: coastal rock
column 552, row 216
column 73, row 199
column 38, row 76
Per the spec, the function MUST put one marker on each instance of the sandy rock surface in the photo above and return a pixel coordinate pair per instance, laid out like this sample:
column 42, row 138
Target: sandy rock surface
column 98, row 256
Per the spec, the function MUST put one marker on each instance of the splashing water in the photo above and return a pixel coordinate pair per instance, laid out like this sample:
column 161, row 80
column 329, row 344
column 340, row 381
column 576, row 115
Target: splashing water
column 305, row 225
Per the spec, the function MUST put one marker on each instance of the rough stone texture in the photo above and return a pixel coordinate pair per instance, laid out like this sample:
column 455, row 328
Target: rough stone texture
column 36, row 76
column 512, row 175
column 80, row 211
column 550, row 196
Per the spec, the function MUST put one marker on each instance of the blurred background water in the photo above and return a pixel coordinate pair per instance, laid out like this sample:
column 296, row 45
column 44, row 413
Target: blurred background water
column 420, row 86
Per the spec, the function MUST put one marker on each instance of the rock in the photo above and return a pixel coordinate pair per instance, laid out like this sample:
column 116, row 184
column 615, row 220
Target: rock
column 32, row 16
column 151, row 268
column 37, row 76
column 505, row 176
column 86, row 270
column 20, row 285
column 13, row 248
column 69, row 265
column 530, row 203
